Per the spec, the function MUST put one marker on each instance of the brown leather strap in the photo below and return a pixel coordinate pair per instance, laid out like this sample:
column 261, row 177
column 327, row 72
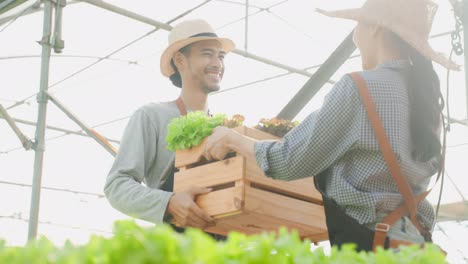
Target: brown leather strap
column 385, row 146
column 183, row 110
column 409, row 203
column 380, row 235
column 180, row 104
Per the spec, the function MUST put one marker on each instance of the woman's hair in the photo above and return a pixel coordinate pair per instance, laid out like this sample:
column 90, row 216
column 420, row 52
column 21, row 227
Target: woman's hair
column 426, row 104
column 175, row 77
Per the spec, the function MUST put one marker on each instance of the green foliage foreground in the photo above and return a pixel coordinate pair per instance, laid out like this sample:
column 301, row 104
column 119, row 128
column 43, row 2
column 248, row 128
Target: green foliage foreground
column 134, row 244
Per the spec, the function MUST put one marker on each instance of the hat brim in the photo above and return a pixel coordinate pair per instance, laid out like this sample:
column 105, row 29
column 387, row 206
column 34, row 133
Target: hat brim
column 427, row 51
column 424, row 48
column 165, row 63
column 350, row 14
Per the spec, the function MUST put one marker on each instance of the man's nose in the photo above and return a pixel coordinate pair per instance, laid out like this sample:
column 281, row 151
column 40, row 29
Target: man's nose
column 216, row 61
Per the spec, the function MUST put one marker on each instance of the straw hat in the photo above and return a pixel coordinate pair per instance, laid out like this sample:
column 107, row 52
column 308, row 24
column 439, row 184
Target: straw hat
column 188, row 32
column 409, row 19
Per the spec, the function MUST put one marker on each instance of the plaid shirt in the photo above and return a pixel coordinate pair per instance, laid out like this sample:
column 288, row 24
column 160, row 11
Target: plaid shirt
column 338, row 142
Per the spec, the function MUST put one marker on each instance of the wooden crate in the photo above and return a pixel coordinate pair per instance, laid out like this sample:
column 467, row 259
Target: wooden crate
column 245, row 200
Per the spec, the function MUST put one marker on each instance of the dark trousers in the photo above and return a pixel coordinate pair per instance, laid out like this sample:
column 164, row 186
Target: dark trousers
column 341, row 227
column 344, row 229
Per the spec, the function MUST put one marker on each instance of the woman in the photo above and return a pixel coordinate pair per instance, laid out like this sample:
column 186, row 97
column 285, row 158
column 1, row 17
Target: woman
column 343, row 149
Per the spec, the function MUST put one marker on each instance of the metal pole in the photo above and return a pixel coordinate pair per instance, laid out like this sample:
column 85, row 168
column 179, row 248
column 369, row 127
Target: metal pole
column 9, row 4
column 41, row 120
column 58, row 42
column 59, row 129
column 246, row 25
column 320, row 77
column 149, row 21
column 36, row 7
column 127, row 13
column 25, row 141
column 91, row 132
column 465, row 47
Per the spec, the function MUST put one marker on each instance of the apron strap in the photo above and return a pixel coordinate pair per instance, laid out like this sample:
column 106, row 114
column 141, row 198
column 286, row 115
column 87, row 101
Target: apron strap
column 180, row 104
column 410, row 202
column 385, row 147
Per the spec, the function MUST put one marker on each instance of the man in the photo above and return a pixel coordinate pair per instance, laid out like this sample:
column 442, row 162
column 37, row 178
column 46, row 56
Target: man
column 194, row 62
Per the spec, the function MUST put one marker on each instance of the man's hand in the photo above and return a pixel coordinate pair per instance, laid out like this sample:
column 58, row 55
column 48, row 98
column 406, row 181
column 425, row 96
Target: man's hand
column 186, row 212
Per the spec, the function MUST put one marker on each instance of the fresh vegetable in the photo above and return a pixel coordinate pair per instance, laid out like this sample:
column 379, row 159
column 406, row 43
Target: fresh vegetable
column 276, row 126
column 234, row 121
column 134, row 244
column 190, row 130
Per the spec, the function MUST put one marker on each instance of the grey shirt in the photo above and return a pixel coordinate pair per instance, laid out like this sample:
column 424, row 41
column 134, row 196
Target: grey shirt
column 143, row 159
column 338, row 142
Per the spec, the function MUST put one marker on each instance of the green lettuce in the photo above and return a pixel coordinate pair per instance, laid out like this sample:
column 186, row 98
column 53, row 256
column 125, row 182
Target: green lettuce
column 160, row 244
column 190, row 130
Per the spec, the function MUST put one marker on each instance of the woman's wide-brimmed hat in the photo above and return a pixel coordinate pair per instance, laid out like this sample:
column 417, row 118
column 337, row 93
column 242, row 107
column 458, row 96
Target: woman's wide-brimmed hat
column 409, row 19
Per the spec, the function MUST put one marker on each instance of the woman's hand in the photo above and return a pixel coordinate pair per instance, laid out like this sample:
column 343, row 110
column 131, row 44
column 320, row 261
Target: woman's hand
column 225, row 140
column 217, row 145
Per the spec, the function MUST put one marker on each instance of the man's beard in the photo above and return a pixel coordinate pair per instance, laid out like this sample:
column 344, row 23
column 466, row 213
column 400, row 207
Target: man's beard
column 210, row 88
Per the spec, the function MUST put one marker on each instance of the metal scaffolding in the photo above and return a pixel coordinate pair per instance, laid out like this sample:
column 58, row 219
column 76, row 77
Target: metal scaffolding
column 52, row 40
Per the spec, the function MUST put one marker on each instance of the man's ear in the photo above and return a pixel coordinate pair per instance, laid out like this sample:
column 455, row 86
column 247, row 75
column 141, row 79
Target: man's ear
column 179, row 60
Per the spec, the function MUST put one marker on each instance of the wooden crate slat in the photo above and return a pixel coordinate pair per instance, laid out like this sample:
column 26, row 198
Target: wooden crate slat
column 253, row 223
column 266, row 203
column 223, row 202
column 303, row 189
column 190, row 156
column 208, row 175
column 317, row 237
column 260, row 135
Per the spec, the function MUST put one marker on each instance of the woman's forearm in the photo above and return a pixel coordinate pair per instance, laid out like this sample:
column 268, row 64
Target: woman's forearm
column 242, row 144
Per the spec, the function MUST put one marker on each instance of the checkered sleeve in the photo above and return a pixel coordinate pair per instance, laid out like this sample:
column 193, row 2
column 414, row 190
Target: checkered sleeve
column 319, row 141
